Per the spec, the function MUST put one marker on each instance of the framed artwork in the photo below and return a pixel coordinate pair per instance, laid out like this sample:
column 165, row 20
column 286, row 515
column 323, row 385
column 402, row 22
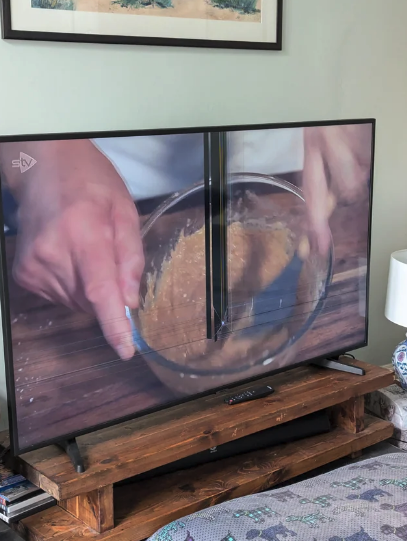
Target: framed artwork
column 237, row 24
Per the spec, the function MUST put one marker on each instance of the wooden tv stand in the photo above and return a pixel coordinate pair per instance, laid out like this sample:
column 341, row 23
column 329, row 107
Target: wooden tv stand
column 91, row 507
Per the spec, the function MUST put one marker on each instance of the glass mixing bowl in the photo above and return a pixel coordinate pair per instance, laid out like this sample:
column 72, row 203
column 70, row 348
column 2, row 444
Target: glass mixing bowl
column 173, row 338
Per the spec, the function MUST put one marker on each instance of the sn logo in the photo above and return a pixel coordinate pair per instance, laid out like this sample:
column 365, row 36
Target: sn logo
column 24, row 163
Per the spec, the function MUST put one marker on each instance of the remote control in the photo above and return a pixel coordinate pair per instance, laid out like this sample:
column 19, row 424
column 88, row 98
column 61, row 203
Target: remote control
column 250, row 394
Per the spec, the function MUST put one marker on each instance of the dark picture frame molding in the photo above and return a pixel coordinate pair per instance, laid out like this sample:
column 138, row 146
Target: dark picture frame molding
column 9, row 33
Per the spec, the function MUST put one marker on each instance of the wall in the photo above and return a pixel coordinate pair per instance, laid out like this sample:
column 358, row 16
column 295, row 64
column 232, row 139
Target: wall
column 340, row 60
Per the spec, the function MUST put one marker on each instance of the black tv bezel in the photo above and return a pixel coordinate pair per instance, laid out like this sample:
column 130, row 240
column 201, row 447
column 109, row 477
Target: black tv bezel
column 4, row 286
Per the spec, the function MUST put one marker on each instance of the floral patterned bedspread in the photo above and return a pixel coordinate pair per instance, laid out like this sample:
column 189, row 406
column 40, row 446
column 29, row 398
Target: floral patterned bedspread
column 366, row 501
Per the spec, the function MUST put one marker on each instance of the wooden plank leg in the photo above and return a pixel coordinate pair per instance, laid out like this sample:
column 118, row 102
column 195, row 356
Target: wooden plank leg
column 95, row 508
column 350, row 415
column 356, row 454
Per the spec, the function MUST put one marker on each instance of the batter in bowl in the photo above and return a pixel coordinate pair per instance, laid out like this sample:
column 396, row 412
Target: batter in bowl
column 174, row 308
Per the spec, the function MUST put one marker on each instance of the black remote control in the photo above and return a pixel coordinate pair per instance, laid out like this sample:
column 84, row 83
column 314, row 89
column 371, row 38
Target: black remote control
column 250, row 394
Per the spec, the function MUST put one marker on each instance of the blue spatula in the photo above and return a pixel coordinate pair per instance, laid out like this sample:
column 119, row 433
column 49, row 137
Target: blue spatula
column 275, row 304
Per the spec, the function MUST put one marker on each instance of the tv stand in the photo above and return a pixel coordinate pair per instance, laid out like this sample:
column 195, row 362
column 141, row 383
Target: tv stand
column 72, row 450
column 336, row 364
column 85, row 507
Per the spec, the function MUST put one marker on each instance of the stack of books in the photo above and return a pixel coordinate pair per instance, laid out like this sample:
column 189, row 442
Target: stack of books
column 20, row 498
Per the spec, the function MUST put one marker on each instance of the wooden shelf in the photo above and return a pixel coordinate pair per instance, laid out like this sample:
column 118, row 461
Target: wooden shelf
column 89, row 506
column 182, row 493
column 127, row 449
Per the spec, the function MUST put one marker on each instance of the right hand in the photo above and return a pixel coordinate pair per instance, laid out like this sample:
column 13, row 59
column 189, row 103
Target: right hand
column 79, row 240
column 336, row 168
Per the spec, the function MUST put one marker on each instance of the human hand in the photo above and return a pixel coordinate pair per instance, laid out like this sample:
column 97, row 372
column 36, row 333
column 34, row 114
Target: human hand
column 79, row 240
column 336, row 169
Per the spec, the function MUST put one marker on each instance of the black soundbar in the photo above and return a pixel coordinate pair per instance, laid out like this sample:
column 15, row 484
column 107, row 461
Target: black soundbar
column 304, row 427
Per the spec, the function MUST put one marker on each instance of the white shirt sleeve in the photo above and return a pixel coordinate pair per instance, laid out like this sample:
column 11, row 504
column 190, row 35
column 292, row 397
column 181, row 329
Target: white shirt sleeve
column 156, row 165
column 161, row 164
column 271, row 152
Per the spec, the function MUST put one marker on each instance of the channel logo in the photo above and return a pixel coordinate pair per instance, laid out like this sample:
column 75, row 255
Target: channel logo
column 24, row 163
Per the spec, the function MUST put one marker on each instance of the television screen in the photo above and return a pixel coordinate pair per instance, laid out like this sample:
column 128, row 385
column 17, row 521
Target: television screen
column 142, row 269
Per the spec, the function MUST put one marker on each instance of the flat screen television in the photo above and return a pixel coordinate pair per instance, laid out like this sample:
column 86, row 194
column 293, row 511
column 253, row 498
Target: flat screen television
column 142, row 269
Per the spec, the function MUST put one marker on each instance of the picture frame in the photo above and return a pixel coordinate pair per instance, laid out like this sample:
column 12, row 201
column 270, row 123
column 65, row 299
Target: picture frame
column 232, row 24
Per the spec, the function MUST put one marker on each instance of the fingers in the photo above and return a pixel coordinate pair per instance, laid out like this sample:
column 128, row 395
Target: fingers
column 346, row 175
column 97, row 268
column 33, row 277
column 40, row 268
column 128, row 251
column 317, row 197
column 347, row 154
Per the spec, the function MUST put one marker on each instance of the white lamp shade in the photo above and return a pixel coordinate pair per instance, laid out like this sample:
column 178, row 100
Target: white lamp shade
column 396, row 303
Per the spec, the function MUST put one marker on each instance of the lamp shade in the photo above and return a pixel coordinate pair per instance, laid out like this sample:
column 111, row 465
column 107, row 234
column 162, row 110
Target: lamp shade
column 396, row 303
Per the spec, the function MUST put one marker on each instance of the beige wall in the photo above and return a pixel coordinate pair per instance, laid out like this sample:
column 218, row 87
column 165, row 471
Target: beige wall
column 341, row 59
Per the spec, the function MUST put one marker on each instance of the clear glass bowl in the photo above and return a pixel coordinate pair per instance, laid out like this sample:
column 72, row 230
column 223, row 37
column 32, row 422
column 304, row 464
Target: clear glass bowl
column 173, row 339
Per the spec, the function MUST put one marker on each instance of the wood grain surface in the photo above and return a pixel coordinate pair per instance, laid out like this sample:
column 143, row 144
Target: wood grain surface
column 127, row 449
column 350, row 415
column 94, row 508
column 176, row 495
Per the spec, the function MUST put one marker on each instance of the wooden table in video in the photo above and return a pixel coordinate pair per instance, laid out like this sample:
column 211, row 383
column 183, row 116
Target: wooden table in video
column 67, row 377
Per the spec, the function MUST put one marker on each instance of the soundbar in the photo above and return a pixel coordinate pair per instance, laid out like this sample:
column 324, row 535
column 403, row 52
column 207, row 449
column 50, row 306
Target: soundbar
column 310, row 425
